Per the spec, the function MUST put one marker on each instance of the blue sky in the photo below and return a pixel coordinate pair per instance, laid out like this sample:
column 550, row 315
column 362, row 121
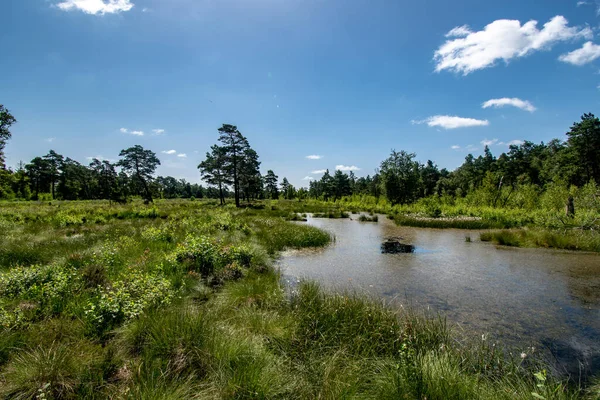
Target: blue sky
column 347, row 80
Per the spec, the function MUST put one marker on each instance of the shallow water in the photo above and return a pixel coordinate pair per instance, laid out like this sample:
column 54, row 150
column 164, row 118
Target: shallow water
column 523, row 298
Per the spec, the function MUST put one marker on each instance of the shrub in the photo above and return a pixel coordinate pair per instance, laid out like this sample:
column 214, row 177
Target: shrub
column 199, row 254
column 11, row 318
column 47, row 285
column 94, row 275
column 156, row 234
column 127, row 299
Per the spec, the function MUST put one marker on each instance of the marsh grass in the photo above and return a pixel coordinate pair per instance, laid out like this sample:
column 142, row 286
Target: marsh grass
column 565, row 240
column 120, row 301
column 332, row 214
column 445, row 223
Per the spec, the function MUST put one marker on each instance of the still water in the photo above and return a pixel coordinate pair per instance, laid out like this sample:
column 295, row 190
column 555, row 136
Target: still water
column 521, row 298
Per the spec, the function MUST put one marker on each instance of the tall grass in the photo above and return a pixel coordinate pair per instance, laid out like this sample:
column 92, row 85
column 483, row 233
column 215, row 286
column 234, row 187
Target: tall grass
column 179, row 301
column 566, row 240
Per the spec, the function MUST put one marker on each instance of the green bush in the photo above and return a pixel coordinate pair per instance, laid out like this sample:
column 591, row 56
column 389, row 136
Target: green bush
column 156, row 234
column 127, row 299
column 199, row 254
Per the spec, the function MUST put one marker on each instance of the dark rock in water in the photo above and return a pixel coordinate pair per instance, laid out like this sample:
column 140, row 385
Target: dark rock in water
column 393, row 246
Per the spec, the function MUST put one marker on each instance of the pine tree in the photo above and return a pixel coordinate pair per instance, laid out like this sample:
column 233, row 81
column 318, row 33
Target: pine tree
column 271, row 188
column 141, row 164
column 214, row 170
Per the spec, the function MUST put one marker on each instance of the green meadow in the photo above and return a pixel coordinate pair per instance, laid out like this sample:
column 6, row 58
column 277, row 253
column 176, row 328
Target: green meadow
column 182, row 300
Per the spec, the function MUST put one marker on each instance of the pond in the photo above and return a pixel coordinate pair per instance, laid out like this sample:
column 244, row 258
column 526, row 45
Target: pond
column 522, row 298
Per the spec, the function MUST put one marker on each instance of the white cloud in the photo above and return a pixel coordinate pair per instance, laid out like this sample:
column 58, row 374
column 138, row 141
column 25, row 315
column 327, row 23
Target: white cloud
column 582, row 3
column 487, row 142
column 455, row 147
column 466, row 51
column 459, row 31
column 136, row 133
column 96, row 6
column 182, row 155
column 588, row 53
column 50, row 139
column 308, row 178
column 319, row 171
column 169, row 151
column 452, row 122
column 158, row 132
column 516, row 142
column 505, row 101
column 347, row 168
column 314, row 157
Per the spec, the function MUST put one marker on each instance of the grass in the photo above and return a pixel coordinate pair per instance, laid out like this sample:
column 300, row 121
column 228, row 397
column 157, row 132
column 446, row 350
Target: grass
column 565, row 240
column 179, row 301
column 368, row 218
column 332, row 214
column 444, row 223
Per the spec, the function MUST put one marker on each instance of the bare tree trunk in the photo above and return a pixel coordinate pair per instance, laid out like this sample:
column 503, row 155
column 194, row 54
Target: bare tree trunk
column 146, row 189
column 221, row 193
column 499, row 191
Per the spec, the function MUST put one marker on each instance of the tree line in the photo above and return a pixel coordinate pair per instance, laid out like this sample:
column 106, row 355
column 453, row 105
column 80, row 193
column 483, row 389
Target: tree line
column 231, row 169
column 489, row 180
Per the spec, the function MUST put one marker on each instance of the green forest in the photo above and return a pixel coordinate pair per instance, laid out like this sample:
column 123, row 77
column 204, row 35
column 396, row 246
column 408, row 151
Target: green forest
column 518, row 178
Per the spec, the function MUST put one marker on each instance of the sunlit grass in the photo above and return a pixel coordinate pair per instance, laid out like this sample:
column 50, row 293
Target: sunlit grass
column 565, row 240
column 180, row 300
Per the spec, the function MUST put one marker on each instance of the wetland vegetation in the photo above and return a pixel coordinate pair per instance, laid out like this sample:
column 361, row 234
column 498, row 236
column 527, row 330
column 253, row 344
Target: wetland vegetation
column 180, row 300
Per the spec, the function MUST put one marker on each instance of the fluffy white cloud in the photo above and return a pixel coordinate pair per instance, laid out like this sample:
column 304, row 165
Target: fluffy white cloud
column 308, row 178
column 314, row 157
column 347, row 168
column 124, row 130
column 588, row 53
column 505, row 101
column 319, row 171
column 96, row 6
column 169, row 151
column 455, row 147
column 182, row 155
column 466, row 51
column 158, row 132
column 487, row 142
column 516, row 142
column 452, row 122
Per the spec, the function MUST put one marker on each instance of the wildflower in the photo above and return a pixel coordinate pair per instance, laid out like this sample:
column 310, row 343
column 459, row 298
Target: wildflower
column 523, row 355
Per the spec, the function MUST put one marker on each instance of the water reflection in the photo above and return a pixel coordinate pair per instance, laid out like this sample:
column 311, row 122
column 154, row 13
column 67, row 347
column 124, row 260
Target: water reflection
column 524, row 297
